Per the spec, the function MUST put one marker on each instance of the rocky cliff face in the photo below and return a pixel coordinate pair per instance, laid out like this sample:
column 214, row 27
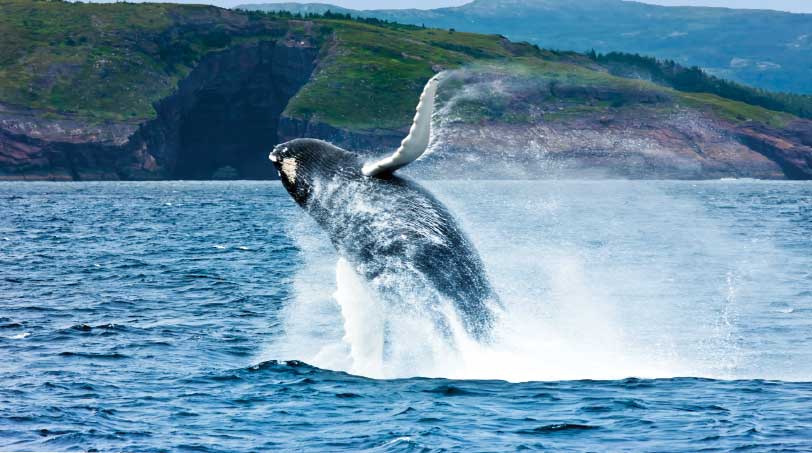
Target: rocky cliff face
column 224, row 114
column 209, row 91
column 35, row 147
column 367, row 142
column 789, row 148
column 682, row 145
column 555, row 131
column 229, row 112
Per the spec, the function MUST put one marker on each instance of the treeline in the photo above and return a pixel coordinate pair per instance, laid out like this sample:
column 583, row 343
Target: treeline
column 694, row 79
column 328, row 15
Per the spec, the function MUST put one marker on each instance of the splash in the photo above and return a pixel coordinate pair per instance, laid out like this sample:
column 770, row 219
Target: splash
column 387, row 341
column 575, row 338
column 597, row 281
column 578, row 342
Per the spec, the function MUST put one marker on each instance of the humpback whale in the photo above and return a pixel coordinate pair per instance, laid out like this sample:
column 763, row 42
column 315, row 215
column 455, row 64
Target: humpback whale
column 397, row 236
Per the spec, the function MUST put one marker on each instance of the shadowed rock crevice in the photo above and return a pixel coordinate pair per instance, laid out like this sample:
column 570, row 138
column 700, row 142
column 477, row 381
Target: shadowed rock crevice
column 226, row 113
column 222, row 122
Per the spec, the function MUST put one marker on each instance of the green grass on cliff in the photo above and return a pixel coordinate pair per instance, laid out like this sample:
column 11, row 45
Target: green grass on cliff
column 375, row 75
column 735, row 111
column 66, row 57
column 108, row 61
column 113, row 61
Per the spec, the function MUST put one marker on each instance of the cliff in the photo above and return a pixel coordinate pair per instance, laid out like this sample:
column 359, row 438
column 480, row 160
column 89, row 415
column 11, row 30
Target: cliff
column 221, row 115
column 547, row 121
column 133, row 92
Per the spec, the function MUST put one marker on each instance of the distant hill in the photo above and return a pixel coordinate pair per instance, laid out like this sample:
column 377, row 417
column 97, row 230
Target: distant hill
column 768, row 49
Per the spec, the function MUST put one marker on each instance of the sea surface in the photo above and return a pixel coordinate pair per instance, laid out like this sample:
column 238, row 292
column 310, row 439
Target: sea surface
column 215, row 316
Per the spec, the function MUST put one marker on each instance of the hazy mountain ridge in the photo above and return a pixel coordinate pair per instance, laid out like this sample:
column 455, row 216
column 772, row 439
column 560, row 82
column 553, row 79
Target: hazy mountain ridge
column 768, row 49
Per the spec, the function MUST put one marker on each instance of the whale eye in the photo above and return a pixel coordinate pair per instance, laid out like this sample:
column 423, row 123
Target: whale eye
column 289, row 169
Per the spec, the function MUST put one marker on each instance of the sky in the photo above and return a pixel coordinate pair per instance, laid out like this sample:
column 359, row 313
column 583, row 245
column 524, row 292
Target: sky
column 797, row 6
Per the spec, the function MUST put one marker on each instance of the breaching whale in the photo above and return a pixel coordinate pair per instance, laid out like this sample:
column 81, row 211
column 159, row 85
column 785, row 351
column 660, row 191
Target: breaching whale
column 395, row 233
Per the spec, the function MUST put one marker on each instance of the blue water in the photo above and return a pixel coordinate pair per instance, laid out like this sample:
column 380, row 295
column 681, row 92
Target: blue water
column 213, row 316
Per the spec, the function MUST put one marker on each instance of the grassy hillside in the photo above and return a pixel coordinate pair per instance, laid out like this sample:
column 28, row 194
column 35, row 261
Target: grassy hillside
column 375, row 74
column 113, row 61
column 109, row 61
column 768, row 49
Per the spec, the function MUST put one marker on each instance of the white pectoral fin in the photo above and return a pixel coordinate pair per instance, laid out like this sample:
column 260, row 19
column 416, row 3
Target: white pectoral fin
column 415, row 144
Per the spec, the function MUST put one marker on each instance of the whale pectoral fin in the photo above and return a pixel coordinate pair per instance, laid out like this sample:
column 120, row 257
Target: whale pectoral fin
column 415, row 144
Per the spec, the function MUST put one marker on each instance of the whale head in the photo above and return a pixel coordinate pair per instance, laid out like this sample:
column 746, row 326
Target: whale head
column 303, row 161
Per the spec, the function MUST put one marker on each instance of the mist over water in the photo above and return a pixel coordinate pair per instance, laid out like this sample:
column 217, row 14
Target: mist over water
column 600, row 280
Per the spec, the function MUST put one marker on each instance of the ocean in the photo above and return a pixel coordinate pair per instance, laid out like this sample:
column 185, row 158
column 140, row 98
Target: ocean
column 216, row 317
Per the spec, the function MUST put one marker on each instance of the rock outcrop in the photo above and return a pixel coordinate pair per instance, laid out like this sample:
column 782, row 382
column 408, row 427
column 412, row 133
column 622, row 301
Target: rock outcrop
column 789, row 148
column 682, row 145
column 224, row 114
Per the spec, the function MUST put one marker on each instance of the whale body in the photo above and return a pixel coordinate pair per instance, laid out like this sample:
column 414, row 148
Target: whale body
column 397, row 236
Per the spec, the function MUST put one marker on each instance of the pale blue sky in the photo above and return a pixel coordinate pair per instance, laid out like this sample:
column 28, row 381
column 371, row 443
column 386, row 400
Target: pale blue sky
column 798, row 6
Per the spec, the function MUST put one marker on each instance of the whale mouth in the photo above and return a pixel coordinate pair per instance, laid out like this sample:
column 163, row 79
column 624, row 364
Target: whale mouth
column 274, row 156
column 285, row 164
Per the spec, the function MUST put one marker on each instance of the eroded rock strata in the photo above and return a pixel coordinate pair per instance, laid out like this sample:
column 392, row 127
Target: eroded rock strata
column 224, row 114
column 683, row 145
column 649, row 137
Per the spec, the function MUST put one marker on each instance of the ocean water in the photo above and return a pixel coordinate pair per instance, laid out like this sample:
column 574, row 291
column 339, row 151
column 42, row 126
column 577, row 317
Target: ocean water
column 215, row 316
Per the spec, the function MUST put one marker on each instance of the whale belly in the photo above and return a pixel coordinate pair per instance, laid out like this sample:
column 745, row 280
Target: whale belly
column 407, row 245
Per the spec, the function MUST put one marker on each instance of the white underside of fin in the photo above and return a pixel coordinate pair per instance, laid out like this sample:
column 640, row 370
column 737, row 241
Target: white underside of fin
column 415, row 144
